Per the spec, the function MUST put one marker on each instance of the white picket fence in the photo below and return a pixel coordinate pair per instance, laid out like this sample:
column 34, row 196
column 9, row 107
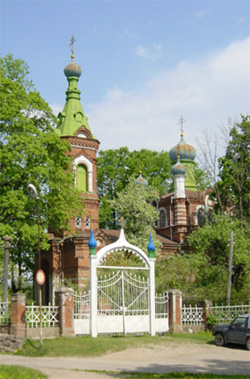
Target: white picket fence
column 225, row 314
column 5, row 313
column 49, row 316
column 192, row 315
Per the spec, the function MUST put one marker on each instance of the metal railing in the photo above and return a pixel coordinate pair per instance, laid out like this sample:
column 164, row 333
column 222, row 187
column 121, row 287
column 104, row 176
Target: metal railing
column 5, row 313
column 161, row 305
column 192, row 315
column 81, row 306
column 225, row 314
column 49, row 316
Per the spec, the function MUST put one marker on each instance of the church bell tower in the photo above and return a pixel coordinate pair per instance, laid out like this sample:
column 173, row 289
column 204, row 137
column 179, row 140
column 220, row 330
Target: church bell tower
column 73, row 126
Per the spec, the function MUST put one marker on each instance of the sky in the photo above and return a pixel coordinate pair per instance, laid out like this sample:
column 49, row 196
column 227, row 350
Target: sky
column 144, row 64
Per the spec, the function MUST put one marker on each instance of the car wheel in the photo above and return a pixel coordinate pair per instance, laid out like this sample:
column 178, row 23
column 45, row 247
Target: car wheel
column 248, row 344
column 219, row 339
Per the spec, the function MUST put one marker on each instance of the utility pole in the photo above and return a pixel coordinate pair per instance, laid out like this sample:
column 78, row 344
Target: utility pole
column 6, row 264
column 230, row 268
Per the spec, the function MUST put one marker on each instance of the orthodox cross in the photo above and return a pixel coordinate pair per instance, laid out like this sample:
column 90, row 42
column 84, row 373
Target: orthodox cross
column 72, row 46
column 182, row 120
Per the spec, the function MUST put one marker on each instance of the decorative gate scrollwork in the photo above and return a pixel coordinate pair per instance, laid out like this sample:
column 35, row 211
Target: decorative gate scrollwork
column 121, row 298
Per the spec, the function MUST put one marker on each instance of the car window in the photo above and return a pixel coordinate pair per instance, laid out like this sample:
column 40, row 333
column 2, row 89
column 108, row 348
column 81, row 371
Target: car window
column 239, row 322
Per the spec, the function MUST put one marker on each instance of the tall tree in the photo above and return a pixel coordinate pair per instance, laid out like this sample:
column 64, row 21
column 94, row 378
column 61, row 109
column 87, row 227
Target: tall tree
column 114, row 169
column 31, row 152
column 210, row 245
column 234, row 184
column 133, row 204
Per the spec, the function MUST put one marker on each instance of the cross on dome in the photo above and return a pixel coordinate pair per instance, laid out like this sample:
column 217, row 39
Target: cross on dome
column 182, row 120
column 72, row 47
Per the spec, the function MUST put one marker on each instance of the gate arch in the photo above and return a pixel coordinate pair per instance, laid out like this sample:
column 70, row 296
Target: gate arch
column 95, row 262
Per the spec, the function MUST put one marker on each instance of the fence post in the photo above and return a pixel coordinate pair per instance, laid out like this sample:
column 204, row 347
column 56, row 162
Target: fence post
column 175, row 311
column 206, row 304
column 18, row 304
column 65, row 302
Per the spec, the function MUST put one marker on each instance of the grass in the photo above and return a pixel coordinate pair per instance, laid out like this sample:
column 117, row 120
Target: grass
column 85, row 346
column 14, row 372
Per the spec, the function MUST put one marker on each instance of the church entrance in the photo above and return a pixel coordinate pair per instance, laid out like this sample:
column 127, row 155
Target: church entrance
column 123, row 303
column 121, row 299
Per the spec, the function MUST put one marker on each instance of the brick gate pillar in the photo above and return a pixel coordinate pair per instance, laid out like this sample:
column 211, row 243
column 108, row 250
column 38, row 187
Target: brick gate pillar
column 18, row 304
column 175, row 311
column 65, row 302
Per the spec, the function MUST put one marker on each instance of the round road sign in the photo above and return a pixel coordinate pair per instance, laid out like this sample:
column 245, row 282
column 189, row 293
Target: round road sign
column 40, row 277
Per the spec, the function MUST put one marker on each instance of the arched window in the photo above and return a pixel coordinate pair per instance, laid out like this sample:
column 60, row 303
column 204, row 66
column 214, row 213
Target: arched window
column 81, row 178
column 163, row 218
column 201, row 216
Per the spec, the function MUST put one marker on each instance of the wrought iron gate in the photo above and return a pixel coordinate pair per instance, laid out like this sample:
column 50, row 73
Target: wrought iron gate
column 122, row 303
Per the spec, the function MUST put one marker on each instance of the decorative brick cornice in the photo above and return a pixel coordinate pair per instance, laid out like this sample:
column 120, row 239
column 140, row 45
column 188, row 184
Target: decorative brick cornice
column 83, row 142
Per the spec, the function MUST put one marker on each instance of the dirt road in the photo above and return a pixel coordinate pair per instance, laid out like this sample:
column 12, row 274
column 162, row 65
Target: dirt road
column 159, row 359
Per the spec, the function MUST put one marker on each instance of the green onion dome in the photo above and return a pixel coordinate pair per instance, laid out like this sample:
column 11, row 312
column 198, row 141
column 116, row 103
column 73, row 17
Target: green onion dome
column 178, row 168
column 185, row 151
column 72, row 69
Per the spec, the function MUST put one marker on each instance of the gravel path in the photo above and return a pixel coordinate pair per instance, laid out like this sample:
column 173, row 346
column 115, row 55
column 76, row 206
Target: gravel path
column 159, row 359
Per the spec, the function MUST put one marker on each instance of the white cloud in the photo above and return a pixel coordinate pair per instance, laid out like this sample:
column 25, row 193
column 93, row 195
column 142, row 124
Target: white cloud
column 206, row 93
column 153, row 52
column 141, row 51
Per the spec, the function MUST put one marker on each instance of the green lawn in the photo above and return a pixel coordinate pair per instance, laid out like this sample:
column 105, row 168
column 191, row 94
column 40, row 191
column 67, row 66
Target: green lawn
column 87, row 346
column 19, row 372
column 14, row 372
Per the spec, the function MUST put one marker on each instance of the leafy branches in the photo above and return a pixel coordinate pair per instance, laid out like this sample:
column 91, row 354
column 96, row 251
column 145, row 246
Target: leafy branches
column 31, row 152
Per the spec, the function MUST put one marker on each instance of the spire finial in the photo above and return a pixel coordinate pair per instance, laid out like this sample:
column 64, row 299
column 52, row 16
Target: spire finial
column 122, row 222
column 182, row 120
column 72, row 46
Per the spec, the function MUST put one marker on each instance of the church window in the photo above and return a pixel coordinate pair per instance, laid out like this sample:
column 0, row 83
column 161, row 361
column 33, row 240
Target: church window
column 78, row 222
column 81, row 178
column 154, row 203
column 87, row 223
column 81, row 135
column 201, row 217
column 163, row 218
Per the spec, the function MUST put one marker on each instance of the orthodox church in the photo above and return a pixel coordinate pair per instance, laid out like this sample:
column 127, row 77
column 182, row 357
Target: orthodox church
column 179, row 211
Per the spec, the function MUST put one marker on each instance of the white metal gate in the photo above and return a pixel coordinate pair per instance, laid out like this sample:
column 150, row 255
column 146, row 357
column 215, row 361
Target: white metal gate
column 122, row 303
column 116, row 315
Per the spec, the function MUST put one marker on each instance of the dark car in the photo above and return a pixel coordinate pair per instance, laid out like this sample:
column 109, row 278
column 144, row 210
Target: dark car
column 238, row 331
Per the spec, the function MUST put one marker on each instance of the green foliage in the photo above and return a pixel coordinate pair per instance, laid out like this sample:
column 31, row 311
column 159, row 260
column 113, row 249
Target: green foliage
column 210, row 255
column 234, row 185
column 201, row 178
column 20, row 372
column 31, row 152
column 116, row 167
column 133, row 204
